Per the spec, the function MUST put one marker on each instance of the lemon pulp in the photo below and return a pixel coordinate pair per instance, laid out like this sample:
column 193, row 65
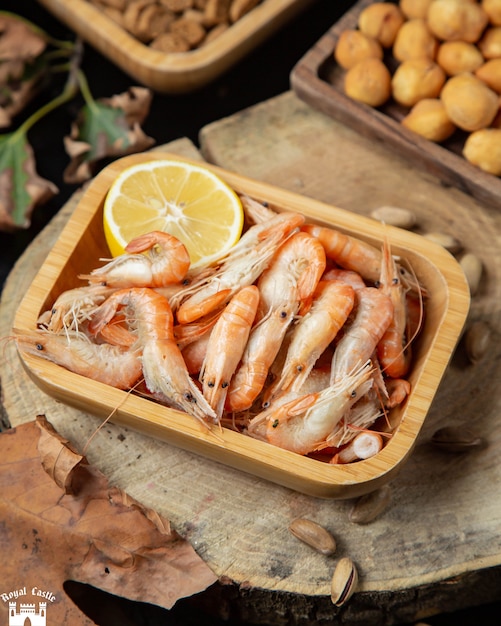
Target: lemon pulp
column 186, row 200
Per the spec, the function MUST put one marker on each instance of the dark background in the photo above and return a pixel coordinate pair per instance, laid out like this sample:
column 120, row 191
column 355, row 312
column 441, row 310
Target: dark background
column 260, row 76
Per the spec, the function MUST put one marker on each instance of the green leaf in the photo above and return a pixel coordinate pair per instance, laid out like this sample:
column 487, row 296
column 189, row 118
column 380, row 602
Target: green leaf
column 104, row 129
column 21, row 188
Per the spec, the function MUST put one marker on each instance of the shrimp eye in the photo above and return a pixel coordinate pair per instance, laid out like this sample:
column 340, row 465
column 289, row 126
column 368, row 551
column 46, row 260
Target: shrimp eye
column 377, row 284
column 354, row 394
column 210, row 384
column 395, row 281
column 275, row 424
column 224, row 385
column 189, row 397
column 299, row 368
column 39, row 346
column 186, row 282
column 283, row 314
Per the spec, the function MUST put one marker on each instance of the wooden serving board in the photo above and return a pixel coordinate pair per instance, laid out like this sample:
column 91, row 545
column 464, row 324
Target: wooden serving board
column 436, row 547
column 318, row 80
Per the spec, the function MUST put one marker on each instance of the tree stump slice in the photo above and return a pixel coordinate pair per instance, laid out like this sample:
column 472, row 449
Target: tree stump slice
column 436, row 547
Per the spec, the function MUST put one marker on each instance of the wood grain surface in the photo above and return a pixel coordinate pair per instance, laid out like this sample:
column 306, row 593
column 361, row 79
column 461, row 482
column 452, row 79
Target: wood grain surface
column 436, row 548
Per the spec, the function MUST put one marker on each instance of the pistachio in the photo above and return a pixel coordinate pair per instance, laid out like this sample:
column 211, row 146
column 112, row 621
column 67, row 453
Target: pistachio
column 456, row 439
column 477, row 340
column 368, row 507
column 472, row 268
column 394, row 216
column 445, row 240
column 344, row 581
column 314, row 535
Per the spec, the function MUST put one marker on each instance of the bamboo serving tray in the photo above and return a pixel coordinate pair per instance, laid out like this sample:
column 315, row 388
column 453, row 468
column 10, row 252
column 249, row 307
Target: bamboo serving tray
column 181, row 72
column 82, row 244
column 318, row 80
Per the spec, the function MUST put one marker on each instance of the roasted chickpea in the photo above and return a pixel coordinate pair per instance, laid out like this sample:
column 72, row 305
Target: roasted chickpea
column 483, row 149
column 414, row 8
column 353, row 46
column 456, row 57
column 493, row 10
column 414, row 40
column 381, row 21
column 469, row 103
column 429, row 119
column 368, row 81
column 490, row 74
column 490, row 44
column 416, row 79
column 456, row 20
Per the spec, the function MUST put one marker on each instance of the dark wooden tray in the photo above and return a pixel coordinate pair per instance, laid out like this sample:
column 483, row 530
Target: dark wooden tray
column 318, row 80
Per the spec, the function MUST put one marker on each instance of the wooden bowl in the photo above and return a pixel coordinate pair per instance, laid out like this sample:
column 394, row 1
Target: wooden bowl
column 180, row 72
column 82, row 244
column 317, row 79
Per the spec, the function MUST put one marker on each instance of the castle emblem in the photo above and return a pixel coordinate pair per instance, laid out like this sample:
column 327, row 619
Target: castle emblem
column 26, row 615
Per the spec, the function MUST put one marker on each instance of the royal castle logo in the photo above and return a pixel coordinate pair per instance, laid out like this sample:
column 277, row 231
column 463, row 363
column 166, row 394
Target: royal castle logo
column 27, row 615
column 27, row 609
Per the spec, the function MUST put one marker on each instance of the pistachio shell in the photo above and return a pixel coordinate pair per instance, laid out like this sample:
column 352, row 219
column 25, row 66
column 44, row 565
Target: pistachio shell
column 472, row 268
column 344, row 581
column 477, row 340
column 447, row 241
column 456, row 439
column 314, row 535
column 394, row 216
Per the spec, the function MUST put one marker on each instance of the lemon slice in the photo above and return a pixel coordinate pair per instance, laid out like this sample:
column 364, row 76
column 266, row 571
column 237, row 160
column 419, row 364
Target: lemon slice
column 177, row 197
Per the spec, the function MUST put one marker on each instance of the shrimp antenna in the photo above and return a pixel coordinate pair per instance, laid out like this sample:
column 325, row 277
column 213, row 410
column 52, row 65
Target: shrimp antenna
column 5, row 341
column 104, row 422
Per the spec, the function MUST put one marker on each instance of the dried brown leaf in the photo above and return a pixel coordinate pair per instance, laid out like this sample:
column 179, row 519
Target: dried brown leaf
column 96, row 535
column 18, row 39
column 108, row 128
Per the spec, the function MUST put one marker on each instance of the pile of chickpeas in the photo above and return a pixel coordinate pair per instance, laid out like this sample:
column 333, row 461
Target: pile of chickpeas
column 446, row 69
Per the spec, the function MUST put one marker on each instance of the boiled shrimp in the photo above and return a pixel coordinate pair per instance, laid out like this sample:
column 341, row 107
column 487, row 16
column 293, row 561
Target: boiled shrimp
column 349, row 277
column 397, row 389
column 239, row 268
column 74, row 307
column 332, row 303
column 364, row 446
column 361, row 416
column 150, row 317
column 165, row 261
column 393, row 351
column 232, row 331
column 372, row 316
column 285, row 287
column 347, row 251
column 303, row 424
column 111, row 365
column 255, row 211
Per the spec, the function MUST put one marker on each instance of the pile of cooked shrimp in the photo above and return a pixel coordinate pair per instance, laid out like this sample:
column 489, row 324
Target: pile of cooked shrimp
column 300, row 336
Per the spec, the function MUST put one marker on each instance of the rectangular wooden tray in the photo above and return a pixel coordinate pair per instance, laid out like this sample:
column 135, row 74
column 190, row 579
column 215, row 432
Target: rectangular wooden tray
column 318, row 80
column 180, row 72
column 82, row 244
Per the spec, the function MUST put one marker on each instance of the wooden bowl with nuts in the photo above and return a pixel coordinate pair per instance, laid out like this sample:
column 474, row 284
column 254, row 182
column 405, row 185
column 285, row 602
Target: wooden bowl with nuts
column 423, row 76
column 175, row 46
